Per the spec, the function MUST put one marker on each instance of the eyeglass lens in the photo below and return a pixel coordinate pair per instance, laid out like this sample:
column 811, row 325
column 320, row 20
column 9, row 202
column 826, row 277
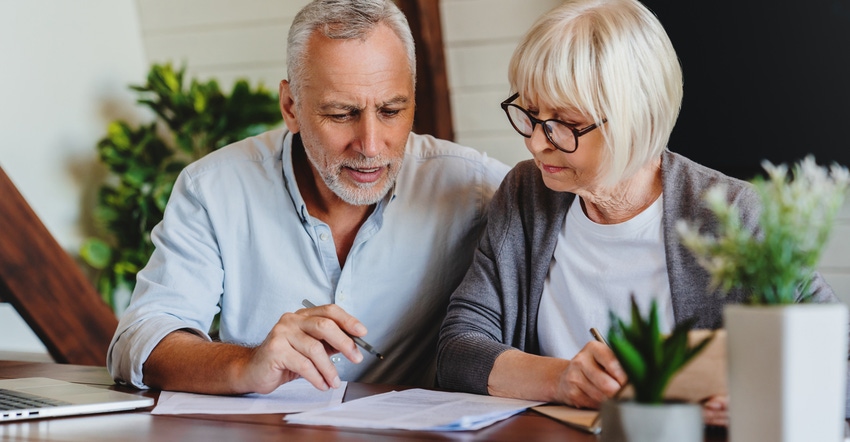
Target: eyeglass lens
column 561, row 135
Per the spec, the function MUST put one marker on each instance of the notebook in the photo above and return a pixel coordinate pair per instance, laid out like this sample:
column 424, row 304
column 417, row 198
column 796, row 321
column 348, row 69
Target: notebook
column 701, row 378
column 33, row 398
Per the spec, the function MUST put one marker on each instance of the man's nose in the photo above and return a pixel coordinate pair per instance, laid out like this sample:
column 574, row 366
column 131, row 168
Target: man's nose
column 368, row 136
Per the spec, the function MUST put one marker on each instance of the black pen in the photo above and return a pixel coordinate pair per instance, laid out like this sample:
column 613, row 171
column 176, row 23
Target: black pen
column 365, row 345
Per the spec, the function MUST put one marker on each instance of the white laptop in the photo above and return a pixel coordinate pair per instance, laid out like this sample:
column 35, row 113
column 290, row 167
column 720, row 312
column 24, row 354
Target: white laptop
column 34, row 398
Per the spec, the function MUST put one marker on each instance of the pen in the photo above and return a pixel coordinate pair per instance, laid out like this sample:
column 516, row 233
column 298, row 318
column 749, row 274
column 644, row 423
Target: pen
column 365, row 345
column 596, row 425
column 598, row 336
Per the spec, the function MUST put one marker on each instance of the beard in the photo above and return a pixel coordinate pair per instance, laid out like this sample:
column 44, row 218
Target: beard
column 353, row 192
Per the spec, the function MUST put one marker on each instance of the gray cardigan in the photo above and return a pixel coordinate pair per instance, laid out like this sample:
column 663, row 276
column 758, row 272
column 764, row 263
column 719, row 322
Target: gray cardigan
column 495, row 307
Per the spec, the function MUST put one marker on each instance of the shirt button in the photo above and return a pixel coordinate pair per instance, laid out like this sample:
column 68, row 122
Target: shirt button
column 323, row 236
column 336, row 359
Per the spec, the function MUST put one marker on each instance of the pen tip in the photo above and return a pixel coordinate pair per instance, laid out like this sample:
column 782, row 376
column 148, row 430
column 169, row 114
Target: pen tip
column 380, row 356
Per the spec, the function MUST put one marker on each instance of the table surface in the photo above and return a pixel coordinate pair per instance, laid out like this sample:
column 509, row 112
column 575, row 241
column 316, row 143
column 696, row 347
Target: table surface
column 140, row 425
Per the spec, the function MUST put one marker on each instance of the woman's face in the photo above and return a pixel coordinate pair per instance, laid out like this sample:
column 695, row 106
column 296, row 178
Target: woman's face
column 577, row 172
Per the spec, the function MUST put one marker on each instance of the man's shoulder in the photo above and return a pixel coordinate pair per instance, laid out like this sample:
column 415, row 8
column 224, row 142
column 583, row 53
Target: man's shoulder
column 423, row 151
column 261, row 148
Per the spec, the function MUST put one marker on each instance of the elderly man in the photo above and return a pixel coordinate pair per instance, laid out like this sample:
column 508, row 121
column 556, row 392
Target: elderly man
column 345, row 208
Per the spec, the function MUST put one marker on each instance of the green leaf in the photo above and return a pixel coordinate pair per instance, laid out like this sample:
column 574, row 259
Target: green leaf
column 96, row 253
column 144, row 162
column 649, row 358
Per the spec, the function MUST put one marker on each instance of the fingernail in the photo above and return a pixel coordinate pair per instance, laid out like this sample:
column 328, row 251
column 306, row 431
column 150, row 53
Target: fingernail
column 360, row 328
column 336, row 382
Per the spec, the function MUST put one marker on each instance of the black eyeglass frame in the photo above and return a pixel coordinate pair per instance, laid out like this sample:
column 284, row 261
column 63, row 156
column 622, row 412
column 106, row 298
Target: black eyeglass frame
column 543, row 123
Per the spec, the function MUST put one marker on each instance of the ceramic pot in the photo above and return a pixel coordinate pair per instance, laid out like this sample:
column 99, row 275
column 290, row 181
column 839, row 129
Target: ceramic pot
column 787, row 372
column 629, row 421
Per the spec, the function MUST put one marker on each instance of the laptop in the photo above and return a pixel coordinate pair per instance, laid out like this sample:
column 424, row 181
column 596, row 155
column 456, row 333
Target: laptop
column 34, row 398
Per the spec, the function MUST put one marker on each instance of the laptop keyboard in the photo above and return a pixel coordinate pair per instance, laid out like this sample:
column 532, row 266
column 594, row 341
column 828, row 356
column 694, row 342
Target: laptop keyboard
column 15, row 400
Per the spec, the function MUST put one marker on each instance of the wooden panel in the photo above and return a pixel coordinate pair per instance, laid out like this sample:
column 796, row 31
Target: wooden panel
column 477, row 20
column 263, row 44
column 479, row 110
column 479, row 65
column 508, row 148
column 433, row 108
column 268, row 76
column 177, row 16
column 47, row 288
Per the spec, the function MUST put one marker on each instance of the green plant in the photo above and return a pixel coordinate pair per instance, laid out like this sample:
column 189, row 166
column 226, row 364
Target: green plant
column 144, row 162
column 777, row 263
column 649, row 358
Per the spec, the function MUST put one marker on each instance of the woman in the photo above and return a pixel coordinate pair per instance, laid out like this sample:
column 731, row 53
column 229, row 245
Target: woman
column 591, row 219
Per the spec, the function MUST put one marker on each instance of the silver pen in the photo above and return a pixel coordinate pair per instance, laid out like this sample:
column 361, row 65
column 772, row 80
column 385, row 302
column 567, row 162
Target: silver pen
column 357, row 340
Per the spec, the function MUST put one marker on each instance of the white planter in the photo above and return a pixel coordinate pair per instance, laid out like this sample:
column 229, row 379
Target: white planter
column 627, row 421
column 787, row 372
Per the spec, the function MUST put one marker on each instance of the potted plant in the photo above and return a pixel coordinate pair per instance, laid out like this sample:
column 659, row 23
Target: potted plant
column 194, row 119
column 651, row 359
column 787, row 357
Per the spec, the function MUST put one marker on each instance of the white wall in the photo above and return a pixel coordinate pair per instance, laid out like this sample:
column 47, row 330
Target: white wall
column 65, row 70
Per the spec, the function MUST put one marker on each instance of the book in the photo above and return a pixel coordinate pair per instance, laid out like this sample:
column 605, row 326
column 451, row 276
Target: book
column 701, row 378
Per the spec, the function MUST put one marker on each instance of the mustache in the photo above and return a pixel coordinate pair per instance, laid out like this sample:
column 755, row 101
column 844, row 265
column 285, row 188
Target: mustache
column 366, row 163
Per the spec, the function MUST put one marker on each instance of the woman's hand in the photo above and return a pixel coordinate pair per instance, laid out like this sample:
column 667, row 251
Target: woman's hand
column 591, row 377
column 715, row 411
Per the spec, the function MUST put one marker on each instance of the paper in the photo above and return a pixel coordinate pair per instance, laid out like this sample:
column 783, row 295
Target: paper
column 416, row 409
column 704, row 376
column 291, row 397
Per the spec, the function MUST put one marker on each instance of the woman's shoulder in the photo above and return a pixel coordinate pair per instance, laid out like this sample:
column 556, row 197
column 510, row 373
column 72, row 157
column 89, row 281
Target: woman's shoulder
column 687, row 181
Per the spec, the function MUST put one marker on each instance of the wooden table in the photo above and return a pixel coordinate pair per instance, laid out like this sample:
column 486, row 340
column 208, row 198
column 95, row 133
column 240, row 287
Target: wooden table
column 140, row 425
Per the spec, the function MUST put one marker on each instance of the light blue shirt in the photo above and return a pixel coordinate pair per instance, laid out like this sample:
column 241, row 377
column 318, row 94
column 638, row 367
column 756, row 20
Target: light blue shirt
column 237, row 235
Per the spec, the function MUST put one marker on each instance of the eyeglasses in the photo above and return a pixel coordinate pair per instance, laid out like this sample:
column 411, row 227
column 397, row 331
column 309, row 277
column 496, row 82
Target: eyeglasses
column 563, row 136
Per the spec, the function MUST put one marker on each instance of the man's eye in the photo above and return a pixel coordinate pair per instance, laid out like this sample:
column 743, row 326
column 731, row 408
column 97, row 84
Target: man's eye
column 390, row 112
column 341, row 117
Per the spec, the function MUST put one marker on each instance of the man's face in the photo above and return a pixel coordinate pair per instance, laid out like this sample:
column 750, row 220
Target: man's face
column 354, row 113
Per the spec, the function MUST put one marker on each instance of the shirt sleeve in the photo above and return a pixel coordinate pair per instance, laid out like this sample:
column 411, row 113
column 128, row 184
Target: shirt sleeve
column 471, row 335
column 179, row 288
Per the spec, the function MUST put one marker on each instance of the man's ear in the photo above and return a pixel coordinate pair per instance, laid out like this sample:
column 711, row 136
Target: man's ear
column 287, row 107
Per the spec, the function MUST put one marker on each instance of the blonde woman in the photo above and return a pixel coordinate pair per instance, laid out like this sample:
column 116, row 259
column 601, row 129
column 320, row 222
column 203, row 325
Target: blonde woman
column 590, row 220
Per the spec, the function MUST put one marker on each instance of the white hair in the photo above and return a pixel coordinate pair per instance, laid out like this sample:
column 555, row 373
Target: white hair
column 610, row 60
column 342, row 19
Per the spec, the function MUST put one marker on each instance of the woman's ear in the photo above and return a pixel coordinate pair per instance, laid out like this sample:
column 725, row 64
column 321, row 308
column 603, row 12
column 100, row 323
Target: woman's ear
column 287, row 107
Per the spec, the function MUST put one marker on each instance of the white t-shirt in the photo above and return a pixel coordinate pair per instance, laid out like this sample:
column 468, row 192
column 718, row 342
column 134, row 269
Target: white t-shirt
column 594, row 269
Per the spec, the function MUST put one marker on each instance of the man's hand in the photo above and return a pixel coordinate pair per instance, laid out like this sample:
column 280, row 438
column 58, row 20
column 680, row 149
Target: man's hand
column 300, row 345
column 592, row 376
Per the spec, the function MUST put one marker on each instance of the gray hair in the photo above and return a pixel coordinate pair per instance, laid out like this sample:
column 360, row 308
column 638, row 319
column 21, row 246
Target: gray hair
column 345, row 20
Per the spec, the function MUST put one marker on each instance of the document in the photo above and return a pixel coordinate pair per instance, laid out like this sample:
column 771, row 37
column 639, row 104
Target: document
column 291, row 397
column 416, row 409
column 704, row 376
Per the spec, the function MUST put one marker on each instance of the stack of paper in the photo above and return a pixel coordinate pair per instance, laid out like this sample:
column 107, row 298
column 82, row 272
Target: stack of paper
column 291, row 397
column 416, row 409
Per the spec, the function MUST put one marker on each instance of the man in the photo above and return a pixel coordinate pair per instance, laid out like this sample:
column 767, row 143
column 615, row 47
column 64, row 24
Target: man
column 346, row 209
